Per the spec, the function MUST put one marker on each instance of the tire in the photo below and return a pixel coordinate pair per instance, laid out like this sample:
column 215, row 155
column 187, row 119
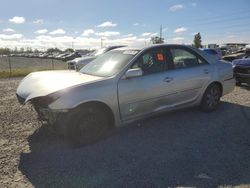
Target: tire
column 238, row 83
column 211, row 98
column 87, row 125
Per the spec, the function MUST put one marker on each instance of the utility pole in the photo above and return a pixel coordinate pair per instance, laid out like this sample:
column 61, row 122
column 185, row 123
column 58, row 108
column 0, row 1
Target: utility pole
column 102, row 42
column 9, row 66
column 73, row 43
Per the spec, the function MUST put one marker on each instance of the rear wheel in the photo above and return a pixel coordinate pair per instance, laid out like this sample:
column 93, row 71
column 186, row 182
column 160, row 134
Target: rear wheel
column 87, row 125
column 238, row 83
column 211, row 98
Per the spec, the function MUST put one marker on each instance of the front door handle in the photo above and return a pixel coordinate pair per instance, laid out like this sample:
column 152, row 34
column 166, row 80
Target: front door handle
column 168, row 79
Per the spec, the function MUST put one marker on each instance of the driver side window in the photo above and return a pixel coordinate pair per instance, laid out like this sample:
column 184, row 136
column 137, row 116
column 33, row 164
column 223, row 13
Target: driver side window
column 153, row 61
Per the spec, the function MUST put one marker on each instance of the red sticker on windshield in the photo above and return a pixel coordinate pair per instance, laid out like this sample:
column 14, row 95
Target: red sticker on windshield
column 160, row 57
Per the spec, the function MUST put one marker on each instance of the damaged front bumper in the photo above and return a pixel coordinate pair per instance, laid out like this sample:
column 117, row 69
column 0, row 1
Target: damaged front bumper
column 20, row 99
column 44, row 112
column 49, row 115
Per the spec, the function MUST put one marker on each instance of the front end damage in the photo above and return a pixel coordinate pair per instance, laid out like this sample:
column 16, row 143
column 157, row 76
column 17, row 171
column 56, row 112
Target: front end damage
column 43, row 88
column 44, row 113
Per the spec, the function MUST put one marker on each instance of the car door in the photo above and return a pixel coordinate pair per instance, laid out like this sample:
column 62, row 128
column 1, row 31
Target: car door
column 189, row 74
column 150, row 92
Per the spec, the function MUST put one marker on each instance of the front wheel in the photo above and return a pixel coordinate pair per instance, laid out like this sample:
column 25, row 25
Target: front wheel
column 87, row 125
column 211, row 98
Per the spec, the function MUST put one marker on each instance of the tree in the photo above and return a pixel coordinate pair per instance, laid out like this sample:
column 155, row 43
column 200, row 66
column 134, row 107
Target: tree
column 29, row 50
column 15, row 50
column 157, row 40
column 197, row 40
column 70, row 50
column 36, row 51
column 53, row 50
column 21, row 50
column 4, row 51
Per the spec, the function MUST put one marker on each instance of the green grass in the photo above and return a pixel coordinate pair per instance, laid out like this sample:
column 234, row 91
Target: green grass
column 22, row 66
column 19, row 72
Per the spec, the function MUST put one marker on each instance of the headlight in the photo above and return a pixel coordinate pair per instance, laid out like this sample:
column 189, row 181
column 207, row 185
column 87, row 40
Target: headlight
column 46, row 100
column 51, row 98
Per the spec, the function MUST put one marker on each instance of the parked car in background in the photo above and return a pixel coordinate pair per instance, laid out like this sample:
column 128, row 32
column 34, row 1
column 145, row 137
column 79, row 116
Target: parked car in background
column 241, row 68
column 71, row 56
column 236, row 55
column 62, row 55
column 78, row 63
column 224, row 51
column 124, row 85
column 216, row 53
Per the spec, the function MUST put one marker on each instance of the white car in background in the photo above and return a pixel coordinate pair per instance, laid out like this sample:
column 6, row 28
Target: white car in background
column 215, row 52
column 78, row 63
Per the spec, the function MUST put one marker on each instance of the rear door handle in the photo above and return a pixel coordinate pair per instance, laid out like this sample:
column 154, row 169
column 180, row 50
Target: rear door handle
column 168, row 79
column 206, row 71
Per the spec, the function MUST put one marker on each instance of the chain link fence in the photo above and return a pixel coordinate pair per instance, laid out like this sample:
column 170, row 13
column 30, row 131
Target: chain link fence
column 21, row 66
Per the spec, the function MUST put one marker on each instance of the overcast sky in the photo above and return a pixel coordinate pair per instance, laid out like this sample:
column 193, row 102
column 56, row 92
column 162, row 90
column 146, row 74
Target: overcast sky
column 83, row 23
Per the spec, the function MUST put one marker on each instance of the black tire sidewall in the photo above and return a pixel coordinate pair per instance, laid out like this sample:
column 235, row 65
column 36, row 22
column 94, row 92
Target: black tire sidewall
column 238, row 83
column 204, row 106
column 76, row 119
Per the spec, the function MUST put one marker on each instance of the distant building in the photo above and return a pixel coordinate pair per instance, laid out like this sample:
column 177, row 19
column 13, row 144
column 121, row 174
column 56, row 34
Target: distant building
column 212, row 46
column 235, row 46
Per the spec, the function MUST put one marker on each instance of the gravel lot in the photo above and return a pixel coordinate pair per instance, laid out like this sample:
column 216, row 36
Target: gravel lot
column 183, row 148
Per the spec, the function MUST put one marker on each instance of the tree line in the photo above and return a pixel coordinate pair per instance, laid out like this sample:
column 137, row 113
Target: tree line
column 154, row 40
column 196, row 42
column 8, row 51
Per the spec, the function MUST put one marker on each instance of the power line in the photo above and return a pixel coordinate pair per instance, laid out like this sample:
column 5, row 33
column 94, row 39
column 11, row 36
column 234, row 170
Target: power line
column 237, row 31
column 224, row 15
column 242, row 18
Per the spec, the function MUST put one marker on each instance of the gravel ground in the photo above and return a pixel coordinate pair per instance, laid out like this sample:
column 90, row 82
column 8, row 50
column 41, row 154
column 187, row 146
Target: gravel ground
column 186, row 148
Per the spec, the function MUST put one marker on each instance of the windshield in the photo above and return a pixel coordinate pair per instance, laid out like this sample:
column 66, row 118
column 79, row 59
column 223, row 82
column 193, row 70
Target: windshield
column 109, row 63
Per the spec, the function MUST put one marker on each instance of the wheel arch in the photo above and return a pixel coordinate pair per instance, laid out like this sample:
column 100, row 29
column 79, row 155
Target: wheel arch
column 100, row 105
column 204, row 104
column 218, row 84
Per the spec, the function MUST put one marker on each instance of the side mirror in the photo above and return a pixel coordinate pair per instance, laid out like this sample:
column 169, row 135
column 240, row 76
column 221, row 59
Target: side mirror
column 131, row 73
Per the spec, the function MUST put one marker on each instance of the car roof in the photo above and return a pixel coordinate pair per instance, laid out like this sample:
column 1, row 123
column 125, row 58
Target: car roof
column 143, row 47
column 208, row 57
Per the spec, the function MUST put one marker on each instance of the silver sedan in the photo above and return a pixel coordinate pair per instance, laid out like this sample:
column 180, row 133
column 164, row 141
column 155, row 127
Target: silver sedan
column 125, row 85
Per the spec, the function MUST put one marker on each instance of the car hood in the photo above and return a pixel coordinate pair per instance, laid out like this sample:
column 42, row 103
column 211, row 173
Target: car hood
column 42, row 83
column 242, row 62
